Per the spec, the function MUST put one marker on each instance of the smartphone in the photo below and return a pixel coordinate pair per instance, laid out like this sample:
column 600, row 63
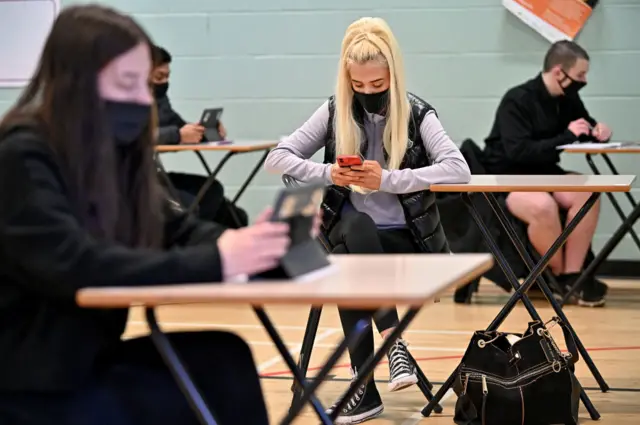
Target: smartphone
column 349, row 160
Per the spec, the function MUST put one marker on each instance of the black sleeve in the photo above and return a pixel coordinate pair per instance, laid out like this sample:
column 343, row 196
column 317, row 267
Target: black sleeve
column 42, row 241
column 169, row 135
column 516, row 131
column 580, row 111
column 182, row 229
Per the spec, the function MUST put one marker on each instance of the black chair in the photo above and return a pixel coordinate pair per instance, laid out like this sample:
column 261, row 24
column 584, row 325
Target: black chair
column 311, row 331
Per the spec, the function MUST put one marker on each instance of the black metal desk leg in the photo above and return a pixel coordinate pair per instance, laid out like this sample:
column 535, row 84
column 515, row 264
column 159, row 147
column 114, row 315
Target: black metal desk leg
column 204, row 163
column 212, row 175
column 612, row 198
column 307, row 347
column 354, row 338
column 520, row 293
column 250, row 178
column 504, row 220
column 291, row 364
column 614, row 170
column 171, row 359
column 511, row 278
column 424, row 384
column 370, row 364
column 210, row 180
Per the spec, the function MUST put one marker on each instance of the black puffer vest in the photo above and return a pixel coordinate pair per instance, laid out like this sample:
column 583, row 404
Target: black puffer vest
column 420, row 210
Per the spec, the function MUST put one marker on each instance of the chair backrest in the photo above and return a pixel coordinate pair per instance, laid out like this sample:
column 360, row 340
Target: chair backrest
column 290, row 181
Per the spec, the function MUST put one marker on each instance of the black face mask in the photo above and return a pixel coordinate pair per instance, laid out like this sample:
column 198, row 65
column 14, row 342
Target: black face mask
column 160, row 90
column 574, row 86
column 127, row 120
column 374, row 103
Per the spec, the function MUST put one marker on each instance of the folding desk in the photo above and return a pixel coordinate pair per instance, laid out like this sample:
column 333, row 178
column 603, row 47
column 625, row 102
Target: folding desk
column 488, row 185
column 231, row 149
column 361, row 281
column 628, row 221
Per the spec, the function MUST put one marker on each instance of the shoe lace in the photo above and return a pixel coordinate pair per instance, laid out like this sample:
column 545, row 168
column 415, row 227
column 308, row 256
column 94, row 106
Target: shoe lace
column 399, row 358
column 355, row 399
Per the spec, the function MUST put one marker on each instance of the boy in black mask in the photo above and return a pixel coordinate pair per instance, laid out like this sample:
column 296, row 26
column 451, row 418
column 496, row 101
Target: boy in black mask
column 532, row 120
column 173, row 130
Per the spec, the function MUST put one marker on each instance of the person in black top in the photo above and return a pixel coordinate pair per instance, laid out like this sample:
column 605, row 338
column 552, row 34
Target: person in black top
column 174, row 130
column 532, row 120
column 81, row 206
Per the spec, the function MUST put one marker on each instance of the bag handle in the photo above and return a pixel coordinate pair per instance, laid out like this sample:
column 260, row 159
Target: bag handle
column 568, row 339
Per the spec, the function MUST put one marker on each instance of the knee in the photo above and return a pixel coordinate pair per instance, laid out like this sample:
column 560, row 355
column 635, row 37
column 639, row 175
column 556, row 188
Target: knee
column 533, row 207
column 358, row 224
column 546, row 210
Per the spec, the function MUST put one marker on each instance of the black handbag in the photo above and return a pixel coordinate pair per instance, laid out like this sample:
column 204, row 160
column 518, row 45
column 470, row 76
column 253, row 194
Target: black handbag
column 518, row 379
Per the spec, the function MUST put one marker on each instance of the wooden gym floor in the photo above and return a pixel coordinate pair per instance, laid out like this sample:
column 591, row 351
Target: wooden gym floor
column 437, row 338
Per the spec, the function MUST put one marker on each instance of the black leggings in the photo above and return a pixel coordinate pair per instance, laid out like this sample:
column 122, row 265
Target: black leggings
column 356, row 233
column 134, row 387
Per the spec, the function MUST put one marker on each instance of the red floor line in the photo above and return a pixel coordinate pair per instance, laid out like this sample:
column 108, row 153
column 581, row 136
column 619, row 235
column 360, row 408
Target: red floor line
column 426, row 359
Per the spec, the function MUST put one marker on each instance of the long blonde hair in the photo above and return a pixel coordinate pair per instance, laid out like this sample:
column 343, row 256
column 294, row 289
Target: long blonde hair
column 371, row 39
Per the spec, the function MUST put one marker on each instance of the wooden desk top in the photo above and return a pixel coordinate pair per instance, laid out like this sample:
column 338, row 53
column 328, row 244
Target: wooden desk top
column 630, row 149
column 239, row 146
column 539, row 183
column 360, row 281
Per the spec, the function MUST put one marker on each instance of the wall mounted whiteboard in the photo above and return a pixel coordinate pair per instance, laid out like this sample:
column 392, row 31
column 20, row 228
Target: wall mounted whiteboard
column 24, row 27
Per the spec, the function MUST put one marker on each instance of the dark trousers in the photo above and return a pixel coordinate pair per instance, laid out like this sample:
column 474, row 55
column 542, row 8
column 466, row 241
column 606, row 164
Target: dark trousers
column 356, row 233
column 213, row 206
column 134, row 387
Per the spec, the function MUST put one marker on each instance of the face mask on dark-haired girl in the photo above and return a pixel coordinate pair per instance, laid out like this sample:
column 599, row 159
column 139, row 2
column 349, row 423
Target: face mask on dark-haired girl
column 127, row 120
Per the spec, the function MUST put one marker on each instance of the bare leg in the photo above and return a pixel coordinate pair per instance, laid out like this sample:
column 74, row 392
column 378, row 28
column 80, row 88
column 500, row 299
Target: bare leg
column 578, row 243
column 540, row 212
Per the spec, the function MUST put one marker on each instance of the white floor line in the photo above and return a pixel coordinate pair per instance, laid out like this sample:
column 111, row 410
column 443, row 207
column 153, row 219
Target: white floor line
column 316, row 345
column 417, row 417
column 294, row 350
column 284, row 327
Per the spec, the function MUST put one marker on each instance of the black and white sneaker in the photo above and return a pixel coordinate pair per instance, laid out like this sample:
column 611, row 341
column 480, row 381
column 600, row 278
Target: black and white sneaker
column 593, row 294
column 401, row 372
column 365, row 404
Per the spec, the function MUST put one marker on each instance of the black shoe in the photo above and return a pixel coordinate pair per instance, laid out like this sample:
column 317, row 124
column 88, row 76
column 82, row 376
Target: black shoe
column 365, row 404
column 535, row 292
column 464, row 294
column 402, row 373
column 566, row 282
column 593, row 293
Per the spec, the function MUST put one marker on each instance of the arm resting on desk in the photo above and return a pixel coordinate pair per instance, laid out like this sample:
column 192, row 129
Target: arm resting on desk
column 169, row 135
column 292, row 154
column 44, row 245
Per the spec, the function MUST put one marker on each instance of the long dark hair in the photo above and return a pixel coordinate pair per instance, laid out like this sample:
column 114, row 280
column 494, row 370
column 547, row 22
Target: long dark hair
column 115, row 190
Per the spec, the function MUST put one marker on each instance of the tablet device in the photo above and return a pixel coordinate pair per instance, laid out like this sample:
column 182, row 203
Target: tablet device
column 209, row 120
column 305, row 259
column 298, row 202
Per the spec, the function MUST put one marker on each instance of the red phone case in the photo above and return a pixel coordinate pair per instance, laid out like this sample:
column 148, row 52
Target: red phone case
column 349, row 160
